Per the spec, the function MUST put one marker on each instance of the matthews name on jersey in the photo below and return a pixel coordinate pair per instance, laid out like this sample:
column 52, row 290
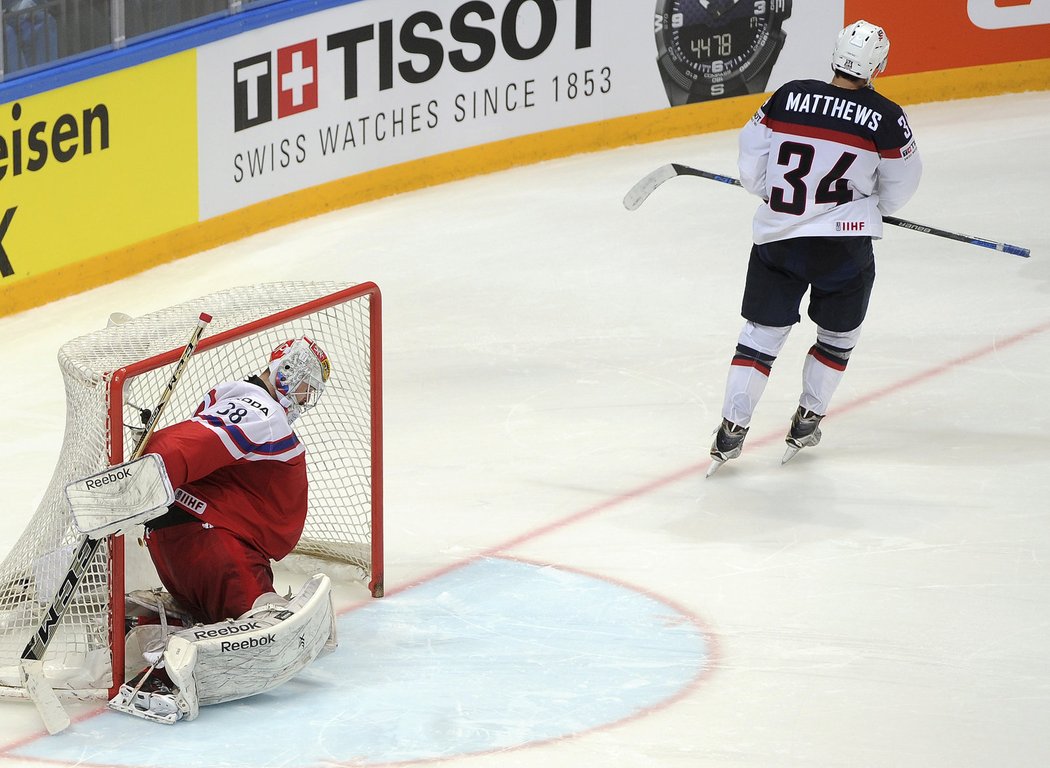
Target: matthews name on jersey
column 828, row 161
column 237, row 465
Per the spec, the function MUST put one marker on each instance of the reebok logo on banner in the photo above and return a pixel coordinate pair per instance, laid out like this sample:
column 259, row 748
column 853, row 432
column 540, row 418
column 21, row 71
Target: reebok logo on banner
column 254, row 82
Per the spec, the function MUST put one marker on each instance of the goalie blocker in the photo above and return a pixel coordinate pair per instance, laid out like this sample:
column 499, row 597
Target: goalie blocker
column 118, row 498
column 237, row 658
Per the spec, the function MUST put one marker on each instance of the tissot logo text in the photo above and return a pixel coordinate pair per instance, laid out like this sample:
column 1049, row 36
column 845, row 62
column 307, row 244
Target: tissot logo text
column 401, row 53
column 415, row 53
column 255, row 80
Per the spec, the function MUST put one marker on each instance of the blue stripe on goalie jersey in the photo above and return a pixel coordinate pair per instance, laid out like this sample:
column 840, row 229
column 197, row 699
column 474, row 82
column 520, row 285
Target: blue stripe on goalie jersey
column 246, row 445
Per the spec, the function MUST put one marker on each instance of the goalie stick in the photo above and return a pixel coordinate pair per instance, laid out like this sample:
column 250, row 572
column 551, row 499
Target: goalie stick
column 32, row 663
column 648, row 184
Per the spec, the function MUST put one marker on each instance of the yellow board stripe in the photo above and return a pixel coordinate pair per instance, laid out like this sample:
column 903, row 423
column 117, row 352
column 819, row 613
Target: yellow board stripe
column 967, row 82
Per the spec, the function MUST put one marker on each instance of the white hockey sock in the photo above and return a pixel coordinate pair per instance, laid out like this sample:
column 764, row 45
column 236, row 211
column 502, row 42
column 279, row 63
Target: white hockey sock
column 756, row 350
column 825, row 364
column 744, row 386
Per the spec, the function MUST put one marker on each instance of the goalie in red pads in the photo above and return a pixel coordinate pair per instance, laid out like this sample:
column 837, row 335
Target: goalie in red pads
column 239, row 474
column 240, row 486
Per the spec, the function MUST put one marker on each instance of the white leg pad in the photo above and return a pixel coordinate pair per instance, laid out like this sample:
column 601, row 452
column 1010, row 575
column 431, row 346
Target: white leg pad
column 820, row 380
column 241, row 657
column 143, row 645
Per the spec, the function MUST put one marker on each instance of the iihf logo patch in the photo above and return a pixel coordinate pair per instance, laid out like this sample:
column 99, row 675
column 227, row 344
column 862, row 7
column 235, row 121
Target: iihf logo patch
column 849, row 226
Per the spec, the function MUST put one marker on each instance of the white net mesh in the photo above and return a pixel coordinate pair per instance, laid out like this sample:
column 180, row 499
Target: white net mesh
column 104, row 373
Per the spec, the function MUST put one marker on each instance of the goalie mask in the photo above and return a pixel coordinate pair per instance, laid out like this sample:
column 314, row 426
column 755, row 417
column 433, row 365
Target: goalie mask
column 298, row 371
column 861, row 51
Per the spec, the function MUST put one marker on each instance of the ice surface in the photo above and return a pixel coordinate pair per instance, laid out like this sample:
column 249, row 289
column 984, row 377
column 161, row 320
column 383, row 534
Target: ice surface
column 564, row 586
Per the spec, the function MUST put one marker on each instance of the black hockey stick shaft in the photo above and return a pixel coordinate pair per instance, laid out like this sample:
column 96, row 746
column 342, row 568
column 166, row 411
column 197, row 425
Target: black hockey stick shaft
column 37, row 646
column 647, row 185
column 87, row 547
column 1016, row 250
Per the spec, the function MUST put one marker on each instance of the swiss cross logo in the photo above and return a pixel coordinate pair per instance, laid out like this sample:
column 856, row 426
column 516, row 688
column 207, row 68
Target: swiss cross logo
column 254, row 81
column 297, row 78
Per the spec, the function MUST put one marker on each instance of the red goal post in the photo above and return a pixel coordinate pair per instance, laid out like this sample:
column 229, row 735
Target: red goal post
column 114, row 374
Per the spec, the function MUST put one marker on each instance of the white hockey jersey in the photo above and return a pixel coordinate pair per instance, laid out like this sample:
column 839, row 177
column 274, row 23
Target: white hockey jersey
column 827, row 161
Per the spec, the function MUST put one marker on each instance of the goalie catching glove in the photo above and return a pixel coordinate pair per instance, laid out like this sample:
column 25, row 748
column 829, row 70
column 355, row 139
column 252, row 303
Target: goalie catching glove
column 115, row 499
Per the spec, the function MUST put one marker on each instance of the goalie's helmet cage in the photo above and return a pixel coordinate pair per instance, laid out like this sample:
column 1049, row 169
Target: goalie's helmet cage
column 861, row 51
column 299, row 370
column 112, row 374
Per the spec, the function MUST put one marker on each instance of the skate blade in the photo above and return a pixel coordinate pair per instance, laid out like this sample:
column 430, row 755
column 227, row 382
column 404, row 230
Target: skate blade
column 715, row 466
column 789, row 454
column 125, row 703
column 128, row 709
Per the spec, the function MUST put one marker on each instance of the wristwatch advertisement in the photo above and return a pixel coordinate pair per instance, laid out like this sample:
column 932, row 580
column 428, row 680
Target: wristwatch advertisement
column 713, row 49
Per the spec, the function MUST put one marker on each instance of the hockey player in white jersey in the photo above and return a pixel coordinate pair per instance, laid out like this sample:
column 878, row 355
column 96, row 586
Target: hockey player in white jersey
column 828, row 160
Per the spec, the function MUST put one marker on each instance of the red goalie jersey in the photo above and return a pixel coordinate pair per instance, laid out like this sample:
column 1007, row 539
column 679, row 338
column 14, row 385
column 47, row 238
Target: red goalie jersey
column 237, row 465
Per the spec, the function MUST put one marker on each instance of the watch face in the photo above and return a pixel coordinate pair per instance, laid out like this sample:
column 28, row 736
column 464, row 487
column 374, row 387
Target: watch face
column 704, row 43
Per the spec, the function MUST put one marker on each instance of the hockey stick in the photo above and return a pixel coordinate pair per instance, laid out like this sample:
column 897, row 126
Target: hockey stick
column 648, row 184
column 32, row 663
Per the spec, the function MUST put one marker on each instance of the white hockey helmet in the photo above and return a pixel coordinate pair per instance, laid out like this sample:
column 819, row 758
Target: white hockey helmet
column 298, row 371
column 861, row 50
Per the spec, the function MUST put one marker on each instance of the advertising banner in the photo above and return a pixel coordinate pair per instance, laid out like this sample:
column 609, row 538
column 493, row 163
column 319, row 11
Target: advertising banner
column 928, row 36
column 96, row 166
column 121, row 171
column 372, row 84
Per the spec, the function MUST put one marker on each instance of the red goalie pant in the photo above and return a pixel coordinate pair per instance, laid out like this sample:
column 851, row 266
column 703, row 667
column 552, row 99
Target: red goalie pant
column 210, row 572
